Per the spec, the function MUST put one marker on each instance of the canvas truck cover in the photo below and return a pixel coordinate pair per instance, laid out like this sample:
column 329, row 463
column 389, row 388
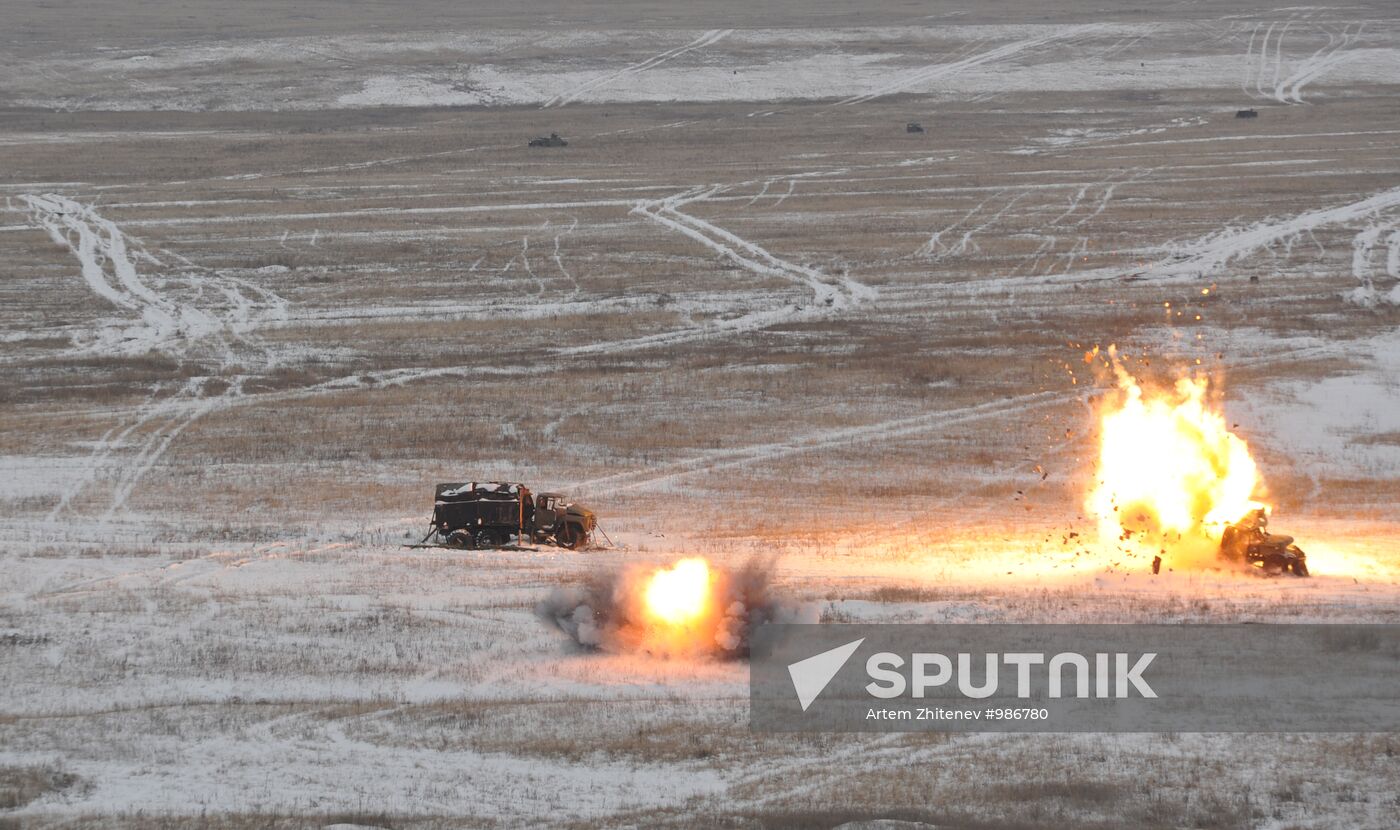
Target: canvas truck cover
column 479, row 504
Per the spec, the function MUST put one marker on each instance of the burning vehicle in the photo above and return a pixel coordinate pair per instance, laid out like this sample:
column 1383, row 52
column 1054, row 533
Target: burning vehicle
column 1249, row 541
column 487, row 514
column 1175, row 483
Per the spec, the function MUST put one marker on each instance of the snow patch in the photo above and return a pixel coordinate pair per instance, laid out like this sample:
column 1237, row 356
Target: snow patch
column 411, row 91
column 24, row 476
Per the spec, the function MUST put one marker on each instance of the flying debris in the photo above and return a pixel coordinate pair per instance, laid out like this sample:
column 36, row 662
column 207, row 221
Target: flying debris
column 1172, row 476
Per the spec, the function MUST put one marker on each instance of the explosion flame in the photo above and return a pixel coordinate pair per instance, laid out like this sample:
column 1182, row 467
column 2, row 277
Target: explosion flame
column 679, row 595
column 1171, row 474
column 689, row 609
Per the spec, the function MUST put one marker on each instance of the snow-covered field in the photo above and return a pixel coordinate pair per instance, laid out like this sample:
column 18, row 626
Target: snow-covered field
column 269, row 276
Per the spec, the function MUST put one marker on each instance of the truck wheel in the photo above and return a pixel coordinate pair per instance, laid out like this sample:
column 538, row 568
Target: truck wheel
column 485, row 539
column 568, row 536
column 460, row 539
column 1228, row 547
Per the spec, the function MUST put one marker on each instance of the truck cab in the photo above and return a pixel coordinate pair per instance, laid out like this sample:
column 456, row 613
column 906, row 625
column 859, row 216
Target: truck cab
column 570, row 524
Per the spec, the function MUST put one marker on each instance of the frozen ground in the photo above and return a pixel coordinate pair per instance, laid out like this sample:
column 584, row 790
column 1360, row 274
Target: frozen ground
column 267, row 277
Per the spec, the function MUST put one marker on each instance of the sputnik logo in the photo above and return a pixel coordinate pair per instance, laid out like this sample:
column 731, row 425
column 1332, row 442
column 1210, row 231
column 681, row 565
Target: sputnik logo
column 811, row 676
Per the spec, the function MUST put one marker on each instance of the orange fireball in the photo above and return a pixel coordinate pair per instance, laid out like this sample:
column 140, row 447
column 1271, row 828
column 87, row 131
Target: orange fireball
column 1170, row 471
column 679, row 595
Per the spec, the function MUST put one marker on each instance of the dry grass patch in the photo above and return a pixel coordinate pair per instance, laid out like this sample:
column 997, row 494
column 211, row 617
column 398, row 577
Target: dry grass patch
column 21, row 785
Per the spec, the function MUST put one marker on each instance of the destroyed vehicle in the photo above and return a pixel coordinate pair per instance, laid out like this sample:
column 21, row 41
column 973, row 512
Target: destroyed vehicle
column 1249, row 113
column 488, row 514
column 913, row 127
column 551, row 140
column 1249, row 541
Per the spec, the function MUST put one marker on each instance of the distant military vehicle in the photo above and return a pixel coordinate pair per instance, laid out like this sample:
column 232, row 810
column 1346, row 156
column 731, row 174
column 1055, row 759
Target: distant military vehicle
column 1250, row 541
column 488, row 514
column 1249, row 113
column 551, row 140
column 913, row 127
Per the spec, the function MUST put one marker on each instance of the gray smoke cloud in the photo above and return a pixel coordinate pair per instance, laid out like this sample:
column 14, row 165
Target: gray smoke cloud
column 604, row 611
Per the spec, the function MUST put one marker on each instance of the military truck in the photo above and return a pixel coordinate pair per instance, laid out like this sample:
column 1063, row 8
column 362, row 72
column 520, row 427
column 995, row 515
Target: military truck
column 1249, row 541
column 488, row 514
column 551, row 140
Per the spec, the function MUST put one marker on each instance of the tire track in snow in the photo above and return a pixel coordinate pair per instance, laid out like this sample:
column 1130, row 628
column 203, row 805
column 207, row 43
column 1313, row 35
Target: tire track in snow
column 1287, row 89
column 1263, row 61
column 150, row 452
column 1073, row 205
column 1280, row 86
column 828, row 294
column 1127, row 42
column 1110, row 187
column 1319, row 64
column 119, row 458
column 767, row 183
column 832, row 293
column 175, row 413
column 941, row 71
column 214, row 324
column 558, row 258
column 1213, row 252
column 1278, row 51
column 936, row 250
column 814, row 441
column 164, row 322
column 1366, row 294
column 1078, row 249
column 111, row 441
column 1249, row 61
column 1032, row 266
column 707, row 39
column 791, row 186
column 109, row 270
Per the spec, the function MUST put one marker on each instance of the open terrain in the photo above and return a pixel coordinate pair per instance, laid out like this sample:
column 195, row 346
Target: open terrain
column 267, row 277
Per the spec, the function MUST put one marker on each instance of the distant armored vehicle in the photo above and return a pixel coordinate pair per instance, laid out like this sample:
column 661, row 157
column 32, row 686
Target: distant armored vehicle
column 487, row 514
column 551, row 140
column 1250, row 541
column 1249, row 113
column 913, row 127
